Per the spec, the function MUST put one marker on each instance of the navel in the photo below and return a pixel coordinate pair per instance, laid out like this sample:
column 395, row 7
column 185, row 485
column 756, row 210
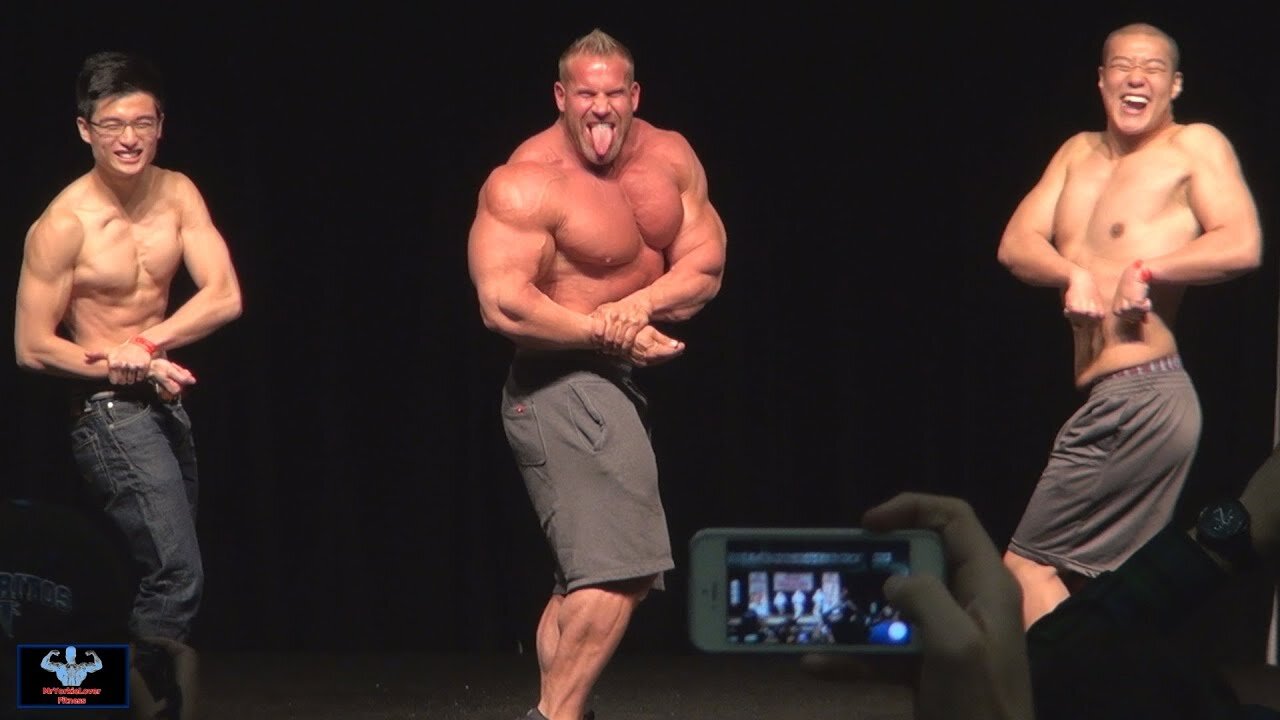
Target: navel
column 1117, row 230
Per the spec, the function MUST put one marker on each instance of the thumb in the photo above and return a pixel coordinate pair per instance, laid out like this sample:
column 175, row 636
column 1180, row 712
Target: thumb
column 924, row 600
column 94, row 356
column 662, row 338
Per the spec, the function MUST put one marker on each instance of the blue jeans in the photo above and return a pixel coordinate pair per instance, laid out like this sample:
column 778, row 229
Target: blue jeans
column 139, row 459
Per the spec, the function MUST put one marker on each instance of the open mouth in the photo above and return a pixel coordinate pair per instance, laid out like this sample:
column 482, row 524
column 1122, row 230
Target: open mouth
column 1134, row 103
column 602, row 135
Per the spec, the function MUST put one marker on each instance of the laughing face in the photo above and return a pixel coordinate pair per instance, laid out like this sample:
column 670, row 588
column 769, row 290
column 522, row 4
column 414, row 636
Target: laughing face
column 597, row 101
column 123, row 132
column 1138, row 83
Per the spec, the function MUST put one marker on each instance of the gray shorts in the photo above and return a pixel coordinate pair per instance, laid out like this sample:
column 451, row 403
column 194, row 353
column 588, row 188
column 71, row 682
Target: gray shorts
column 573, row 420
column 1115, row 473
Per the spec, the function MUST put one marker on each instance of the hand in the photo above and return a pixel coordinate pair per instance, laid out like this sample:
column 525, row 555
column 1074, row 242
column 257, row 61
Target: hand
column 127, row 363
column 651, row 347
column 1261, row 496
column 92, row 654
column 973, row 662
column 1082, row 304
column 169, row 377
column 618, row 324
column 1131, row 303
column 974, row 658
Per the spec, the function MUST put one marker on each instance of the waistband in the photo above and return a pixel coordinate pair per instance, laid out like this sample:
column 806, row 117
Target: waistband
column 1168, row 363
column 143, row 392
column 544, row 365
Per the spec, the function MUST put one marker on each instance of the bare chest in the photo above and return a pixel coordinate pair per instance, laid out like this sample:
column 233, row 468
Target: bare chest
column 613, row 222
column 121, row 254
column 1105, row 203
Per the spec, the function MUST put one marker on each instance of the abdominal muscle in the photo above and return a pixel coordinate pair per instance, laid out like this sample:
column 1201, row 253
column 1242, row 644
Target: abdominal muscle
column 97, row 324
column 1109, row 345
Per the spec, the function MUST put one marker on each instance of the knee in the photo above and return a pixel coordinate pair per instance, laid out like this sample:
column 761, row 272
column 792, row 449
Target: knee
column 186, row 577
column 638, row 589
column 634, row 590
column 1027, row 569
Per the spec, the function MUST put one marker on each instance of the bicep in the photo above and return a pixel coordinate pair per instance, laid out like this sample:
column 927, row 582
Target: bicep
column 204, row 250
column 503, row 253
column 1035, row 213
column 1218, row 194
column 702, row 227
column 45, row 279
column 510, row 244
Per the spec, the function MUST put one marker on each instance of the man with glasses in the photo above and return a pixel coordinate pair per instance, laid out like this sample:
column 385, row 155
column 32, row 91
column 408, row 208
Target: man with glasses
column 93, row 295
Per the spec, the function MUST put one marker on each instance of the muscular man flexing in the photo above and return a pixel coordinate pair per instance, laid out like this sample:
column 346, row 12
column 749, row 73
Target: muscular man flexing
column 595, row 229
column 1122, row 221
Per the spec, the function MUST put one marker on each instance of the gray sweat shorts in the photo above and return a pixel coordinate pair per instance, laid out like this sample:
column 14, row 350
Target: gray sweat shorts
column 1115, row 472
column 574, row 423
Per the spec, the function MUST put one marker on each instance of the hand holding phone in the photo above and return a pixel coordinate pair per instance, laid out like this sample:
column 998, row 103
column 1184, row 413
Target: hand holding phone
column 973, row 648
column 804, row 590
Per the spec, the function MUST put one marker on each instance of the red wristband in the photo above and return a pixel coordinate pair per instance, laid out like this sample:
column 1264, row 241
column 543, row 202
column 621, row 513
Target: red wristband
column 150, row 346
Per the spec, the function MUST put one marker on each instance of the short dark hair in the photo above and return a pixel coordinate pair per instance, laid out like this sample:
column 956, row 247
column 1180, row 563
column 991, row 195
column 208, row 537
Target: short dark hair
column 1144, row 29
column 111, row 73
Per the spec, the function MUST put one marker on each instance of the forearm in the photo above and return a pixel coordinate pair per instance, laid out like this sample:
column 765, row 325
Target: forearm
column 206, row 311
column 679, row 295
column 529, row 318
column 1214, row 257
column 692, row 278
column 57, row 356
column 1036, row 262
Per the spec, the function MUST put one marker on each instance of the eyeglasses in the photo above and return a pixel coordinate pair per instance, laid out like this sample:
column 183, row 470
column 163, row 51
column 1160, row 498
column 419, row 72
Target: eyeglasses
column 145, row 127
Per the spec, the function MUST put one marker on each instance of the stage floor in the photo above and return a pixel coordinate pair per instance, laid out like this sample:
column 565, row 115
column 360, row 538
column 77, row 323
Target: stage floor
column 276, row 686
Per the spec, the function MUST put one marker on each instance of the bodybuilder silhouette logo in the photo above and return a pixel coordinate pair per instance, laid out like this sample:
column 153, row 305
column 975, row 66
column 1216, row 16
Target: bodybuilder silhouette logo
column 71, row 673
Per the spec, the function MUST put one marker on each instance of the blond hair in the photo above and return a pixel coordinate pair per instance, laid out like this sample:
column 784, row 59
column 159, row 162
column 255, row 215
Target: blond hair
column 596, row 43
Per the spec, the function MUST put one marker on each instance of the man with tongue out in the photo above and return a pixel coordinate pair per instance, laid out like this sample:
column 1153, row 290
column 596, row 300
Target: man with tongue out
column 596, row 229
column 1121, row 222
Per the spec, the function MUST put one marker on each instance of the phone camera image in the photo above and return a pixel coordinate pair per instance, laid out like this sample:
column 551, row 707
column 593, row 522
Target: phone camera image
column 801, row 593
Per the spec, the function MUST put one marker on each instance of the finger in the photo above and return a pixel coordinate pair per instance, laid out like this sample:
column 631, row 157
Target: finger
column 93, row 357
column 629, row 336
column 945, row 628
column 614, row 333
column 971, row 555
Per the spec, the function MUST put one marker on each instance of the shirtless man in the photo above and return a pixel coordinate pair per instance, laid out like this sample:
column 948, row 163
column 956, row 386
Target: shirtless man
column 595, row 228
column 71, row 673
column 98, row 263
column 1122, row 220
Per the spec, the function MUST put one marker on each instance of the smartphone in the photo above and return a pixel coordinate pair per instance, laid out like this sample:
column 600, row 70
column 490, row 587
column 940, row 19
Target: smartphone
column 804, row 590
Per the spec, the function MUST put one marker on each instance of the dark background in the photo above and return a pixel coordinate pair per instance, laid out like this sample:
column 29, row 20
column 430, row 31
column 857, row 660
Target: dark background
column 357, row 488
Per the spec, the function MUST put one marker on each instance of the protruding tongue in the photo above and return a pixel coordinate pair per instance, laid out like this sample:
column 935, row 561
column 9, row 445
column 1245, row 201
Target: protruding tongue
column 602, row 136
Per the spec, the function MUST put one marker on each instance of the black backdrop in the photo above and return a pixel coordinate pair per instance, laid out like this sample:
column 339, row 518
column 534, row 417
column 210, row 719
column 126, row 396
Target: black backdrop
column 357, row 490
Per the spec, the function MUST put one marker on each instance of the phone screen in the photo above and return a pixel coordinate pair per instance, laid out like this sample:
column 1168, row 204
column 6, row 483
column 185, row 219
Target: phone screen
column 813, row 592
